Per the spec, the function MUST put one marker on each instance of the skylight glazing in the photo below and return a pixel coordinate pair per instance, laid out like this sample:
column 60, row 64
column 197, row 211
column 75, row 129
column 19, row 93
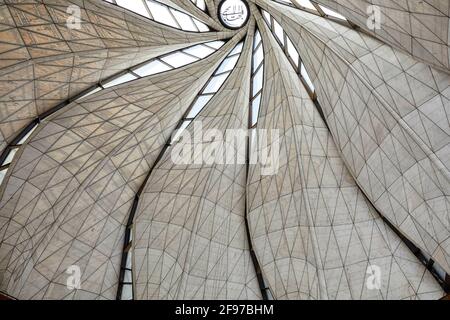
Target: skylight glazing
column 211, row 88
column 257, row 79
column 125, row 291
column 164, row 14
column 170, row 61
column 291, row 52
column 313, row 7
column 200, row 4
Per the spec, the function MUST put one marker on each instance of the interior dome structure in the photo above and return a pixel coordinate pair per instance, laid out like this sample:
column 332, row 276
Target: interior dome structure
column 224, row 150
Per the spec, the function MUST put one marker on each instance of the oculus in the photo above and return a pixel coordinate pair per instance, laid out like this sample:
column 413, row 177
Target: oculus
column 233, row 14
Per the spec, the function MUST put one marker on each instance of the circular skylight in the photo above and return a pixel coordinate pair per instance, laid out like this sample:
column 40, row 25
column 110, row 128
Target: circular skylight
column 233, row 13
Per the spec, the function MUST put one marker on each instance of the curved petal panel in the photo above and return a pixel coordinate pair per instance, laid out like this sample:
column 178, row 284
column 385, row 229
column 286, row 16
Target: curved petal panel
column 212, row 149
column 388, row 114
column 418, row 27
column 71, row 189
column 315, row 233
column 47, row 56
column 191, row 240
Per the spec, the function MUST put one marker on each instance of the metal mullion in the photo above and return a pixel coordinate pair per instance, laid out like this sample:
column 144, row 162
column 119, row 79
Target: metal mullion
column 250, row 111
column 233, row 55
column 193, row 22
column 134, row 68
column 345, row 22
column 257, row 47
column 171, row 13
column 291, row 61
column 257, row 69
column 319, row 9
column 166, row 63
column 135, row 74
column 148, row 9
column 191, row 55
column 221, row 74
column 300, row 7
column 113, row 77
column 206, row 45
column 255, row 96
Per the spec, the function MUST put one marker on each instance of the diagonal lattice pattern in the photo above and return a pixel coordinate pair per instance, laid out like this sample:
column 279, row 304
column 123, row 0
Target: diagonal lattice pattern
column 191, row 240
column 45, row 61
column 363, row 179
column 421, row 28
column 389, row 116
column 78, row 177
column 314, row 231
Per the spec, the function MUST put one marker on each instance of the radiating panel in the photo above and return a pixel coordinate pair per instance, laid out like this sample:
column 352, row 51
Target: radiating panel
column 190, row 234
column 388, row 114
column 315, row 234
column 69, row 193
column 418, row 27
column 47, row 55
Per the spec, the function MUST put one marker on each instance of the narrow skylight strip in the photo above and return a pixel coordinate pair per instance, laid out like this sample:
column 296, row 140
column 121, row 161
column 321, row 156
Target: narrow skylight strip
column 170, row 61
column 256, row 91
column 200, row 4
column 331, row 13
column 304, row 4
column 291, row 52
column 164, row 14
column 125, row 289
column 257, row 78
column 10, row 152
column 210, row 89
column 313, row 7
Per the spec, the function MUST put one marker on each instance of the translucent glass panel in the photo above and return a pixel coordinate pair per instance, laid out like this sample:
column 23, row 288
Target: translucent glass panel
column 313, row 7
column 164, row 14
column 122, row 79
column 168, row 62
column 257, row 78
column 331, row 13
column 305, row 4
column 286, row 1
column 212, row 87
column 200, row 3
column 152, row 67
column 178, row 59
column 306, row 77
column 126, row 275
column 11, row 150
column 137, row 6
column 278, row 31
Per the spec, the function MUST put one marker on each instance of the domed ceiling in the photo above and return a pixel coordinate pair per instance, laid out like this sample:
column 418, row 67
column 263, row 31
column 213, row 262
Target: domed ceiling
column 348, row 100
